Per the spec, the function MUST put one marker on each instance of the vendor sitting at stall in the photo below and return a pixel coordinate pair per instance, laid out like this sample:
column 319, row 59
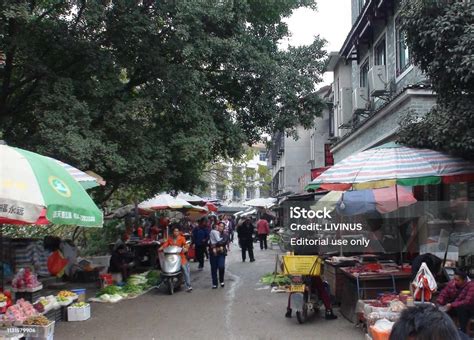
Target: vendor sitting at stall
column 458, row 298
column 120, row 262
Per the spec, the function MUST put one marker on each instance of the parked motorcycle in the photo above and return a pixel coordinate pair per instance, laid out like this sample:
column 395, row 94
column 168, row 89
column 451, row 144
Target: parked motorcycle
column 170, row 262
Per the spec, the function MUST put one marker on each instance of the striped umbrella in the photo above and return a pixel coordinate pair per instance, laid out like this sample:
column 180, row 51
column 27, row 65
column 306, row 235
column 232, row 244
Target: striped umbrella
column 87, row 181
column 392, row 164
column 35, row 189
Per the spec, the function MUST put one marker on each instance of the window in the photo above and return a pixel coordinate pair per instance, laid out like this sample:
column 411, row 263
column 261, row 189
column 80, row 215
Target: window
column 250, row 193
column 263, row 155
column 331, row 122
column 361, row 5
column 364, row 74
column 328, row 156
column 379, row 53
column 403, row 53
column 237, row 194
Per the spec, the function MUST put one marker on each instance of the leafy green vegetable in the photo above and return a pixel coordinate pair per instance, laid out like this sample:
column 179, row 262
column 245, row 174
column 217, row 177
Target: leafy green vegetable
column 110, row 290
column 132, row 289
column 153, row 277
column 278, row 279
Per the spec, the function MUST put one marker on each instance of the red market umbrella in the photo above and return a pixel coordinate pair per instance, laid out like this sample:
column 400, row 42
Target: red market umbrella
column 211, row 207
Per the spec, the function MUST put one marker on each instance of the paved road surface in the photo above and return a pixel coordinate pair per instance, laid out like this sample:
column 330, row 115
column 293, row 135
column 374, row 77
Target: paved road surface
column 244, row 309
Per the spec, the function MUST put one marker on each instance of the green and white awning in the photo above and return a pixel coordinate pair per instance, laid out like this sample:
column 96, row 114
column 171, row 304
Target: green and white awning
column 35, row 187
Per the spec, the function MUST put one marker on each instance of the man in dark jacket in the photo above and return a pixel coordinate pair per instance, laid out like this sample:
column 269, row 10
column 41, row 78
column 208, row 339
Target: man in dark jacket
column 458, row 297
column 200, row 239
column 245, row 234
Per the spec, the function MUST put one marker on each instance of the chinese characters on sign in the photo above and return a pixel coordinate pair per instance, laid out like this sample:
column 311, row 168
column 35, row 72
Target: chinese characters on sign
column 12, row 209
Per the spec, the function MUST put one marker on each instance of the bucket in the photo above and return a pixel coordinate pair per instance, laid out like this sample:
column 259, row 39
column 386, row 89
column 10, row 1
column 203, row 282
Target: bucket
column 106, row 280
column 81, row 293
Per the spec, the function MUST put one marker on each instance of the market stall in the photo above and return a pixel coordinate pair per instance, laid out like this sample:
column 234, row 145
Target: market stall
column 43, row 191
column 366, row 282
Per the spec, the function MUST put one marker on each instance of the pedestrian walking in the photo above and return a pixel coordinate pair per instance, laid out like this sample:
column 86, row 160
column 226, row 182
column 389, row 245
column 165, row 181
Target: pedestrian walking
column 231, row 228
column 200, row 238
column 218, row 241
column 245, row 235
column 263, row 229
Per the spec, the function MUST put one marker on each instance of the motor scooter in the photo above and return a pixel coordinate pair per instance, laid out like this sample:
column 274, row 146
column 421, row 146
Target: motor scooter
column 170, row 262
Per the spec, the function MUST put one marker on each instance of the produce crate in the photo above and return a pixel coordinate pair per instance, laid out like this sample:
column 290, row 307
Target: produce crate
column 63, row 313
column 28, row 296
column 79, row 313
column 302, row 265
column 41, row 332
column 54, row 315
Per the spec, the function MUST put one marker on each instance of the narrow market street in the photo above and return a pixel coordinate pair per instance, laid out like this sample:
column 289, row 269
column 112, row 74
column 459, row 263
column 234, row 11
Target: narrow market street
column 244, row 309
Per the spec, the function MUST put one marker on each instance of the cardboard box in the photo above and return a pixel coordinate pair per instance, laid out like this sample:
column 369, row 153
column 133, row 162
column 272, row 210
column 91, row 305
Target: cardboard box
column 79, row 313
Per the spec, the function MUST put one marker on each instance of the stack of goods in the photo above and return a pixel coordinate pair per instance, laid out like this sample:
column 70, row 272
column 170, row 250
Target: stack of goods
column 29, row 254
column 66, row 297
column 18, row 313
column 26, row 281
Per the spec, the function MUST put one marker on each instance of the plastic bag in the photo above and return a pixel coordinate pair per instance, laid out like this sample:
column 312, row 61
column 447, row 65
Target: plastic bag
column 57, row 263
column 381, row 330
column 424, row 284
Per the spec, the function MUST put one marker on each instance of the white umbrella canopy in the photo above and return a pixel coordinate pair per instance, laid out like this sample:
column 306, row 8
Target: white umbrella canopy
column 163, row 202
column 261, row 202
column 191, row 198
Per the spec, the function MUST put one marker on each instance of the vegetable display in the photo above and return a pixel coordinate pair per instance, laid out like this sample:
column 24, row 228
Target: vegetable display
column 110, row 290
column 278, row 279
column 153, row 277
column 80, row 304
column 67, row 294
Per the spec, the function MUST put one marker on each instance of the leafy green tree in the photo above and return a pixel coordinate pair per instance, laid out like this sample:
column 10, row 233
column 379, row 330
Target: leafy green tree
column 440, row 36
column 146, row 93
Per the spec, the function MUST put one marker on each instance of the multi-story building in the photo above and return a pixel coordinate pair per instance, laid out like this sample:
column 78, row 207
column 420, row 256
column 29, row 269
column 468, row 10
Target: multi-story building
column 288, row 159
column 291, row 161
column 235, row 182
column 375, row 83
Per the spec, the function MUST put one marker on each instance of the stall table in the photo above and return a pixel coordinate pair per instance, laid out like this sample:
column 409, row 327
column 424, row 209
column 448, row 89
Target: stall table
column 368, row 286
column 335, row 278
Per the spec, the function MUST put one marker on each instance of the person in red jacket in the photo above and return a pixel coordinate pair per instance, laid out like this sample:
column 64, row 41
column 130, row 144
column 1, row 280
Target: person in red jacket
column 458, row 298
column 263, row 229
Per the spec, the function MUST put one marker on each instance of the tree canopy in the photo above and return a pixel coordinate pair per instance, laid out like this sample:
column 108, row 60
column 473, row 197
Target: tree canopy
column 440, row 35
column 146, row 93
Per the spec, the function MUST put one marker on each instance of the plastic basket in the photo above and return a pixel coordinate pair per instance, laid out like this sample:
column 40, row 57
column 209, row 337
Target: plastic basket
column 302, row 265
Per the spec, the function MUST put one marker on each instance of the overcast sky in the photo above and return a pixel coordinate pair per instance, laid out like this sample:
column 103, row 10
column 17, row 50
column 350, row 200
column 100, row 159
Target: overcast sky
column 332, row 21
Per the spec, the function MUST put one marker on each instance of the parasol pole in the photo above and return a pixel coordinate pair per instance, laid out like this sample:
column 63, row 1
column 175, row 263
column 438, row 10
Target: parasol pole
column 400, row 239
column 1, row 258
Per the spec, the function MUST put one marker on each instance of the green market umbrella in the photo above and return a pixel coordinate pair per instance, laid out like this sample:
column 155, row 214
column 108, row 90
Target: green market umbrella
column 37, row 189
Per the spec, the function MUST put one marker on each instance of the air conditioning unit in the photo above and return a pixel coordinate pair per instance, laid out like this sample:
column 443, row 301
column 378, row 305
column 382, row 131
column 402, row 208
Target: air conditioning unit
column 345, row 100
column 360, row 99
column 377, row 80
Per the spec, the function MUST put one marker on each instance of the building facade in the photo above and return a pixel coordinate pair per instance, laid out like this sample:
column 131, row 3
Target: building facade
column 375, row 84
column 291, row 161
column 236, row 182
